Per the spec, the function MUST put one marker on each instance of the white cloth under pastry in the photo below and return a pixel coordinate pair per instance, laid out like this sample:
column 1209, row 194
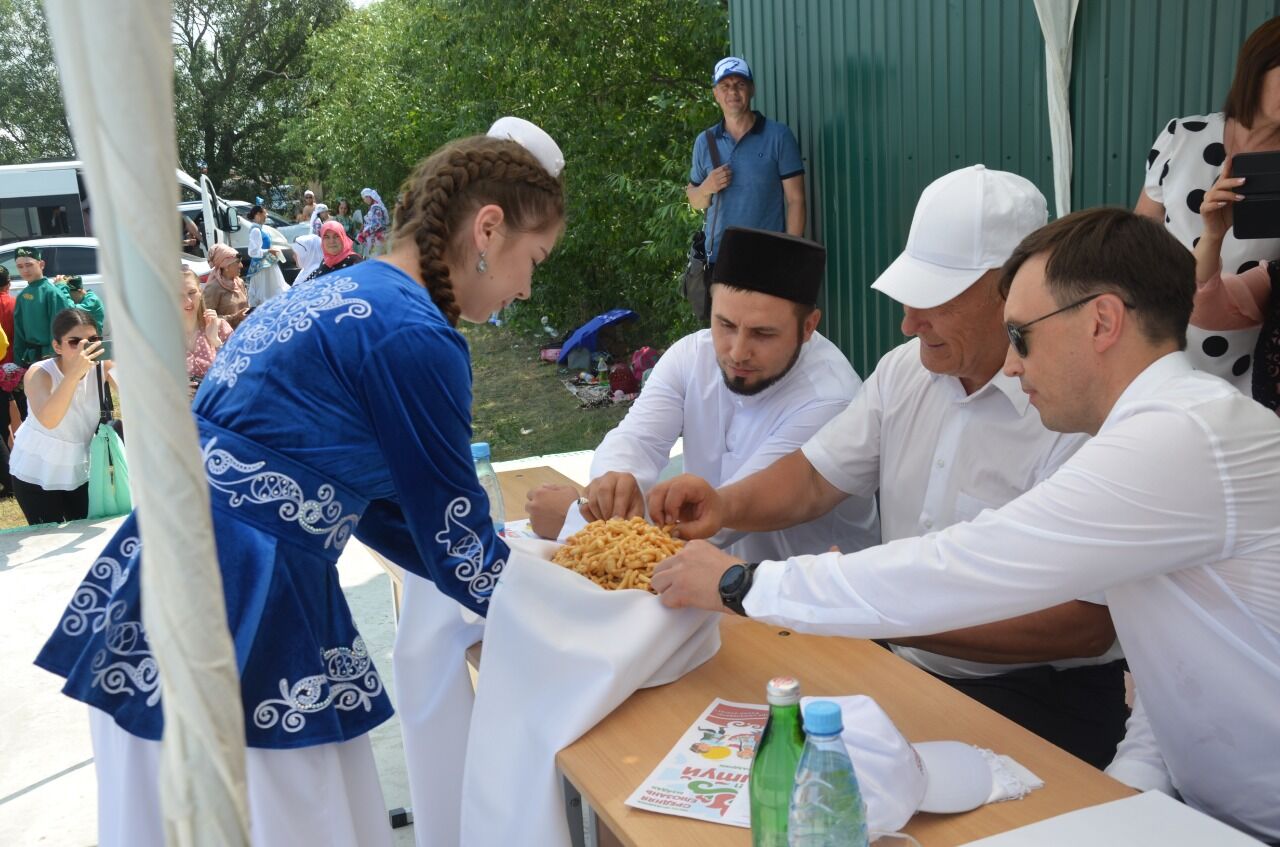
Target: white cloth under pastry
column 560, row 653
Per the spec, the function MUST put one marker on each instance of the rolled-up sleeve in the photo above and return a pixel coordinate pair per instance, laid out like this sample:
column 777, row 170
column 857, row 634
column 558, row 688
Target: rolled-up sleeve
column 846, row 450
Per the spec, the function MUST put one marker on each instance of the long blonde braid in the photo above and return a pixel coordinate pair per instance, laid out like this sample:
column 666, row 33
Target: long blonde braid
column 456, row 180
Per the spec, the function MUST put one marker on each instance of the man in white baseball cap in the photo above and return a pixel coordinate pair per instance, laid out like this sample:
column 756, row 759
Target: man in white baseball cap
column 308, row 205
column 941, row 434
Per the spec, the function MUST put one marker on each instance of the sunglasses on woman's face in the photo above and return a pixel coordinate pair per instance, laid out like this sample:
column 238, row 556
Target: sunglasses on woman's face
column 75, row 342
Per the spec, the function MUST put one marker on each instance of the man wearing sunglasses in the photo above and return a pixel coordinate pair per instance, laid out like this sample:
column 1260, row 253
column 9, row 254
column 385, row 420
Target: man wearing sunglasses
column 1171, row 509
column 941, row 435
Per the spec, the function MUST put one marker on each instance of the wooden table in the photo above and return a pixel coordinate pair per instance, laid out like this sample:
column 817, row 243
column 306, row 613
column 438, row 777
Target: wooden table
column 517, row 484
column 611, row 760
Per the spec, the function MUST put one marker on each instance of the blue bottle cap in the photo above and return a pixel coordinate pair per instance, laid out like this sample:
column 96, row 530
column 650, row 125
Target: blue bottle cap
column 822, row 717
column 479, row 450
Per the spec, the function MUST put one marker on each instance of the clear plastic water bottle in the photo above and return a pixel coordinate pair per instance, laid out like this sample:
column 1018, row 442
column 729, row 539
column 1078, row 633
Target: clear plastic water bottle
column 489, row 482
column 826, row 804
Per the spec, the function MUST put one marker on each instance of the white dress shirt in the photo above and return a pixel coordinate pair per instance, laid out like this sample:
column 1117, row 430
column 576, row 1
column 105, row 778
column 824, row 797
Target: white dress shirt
column 939, row 456
column 1172, row 509
column 729, row 436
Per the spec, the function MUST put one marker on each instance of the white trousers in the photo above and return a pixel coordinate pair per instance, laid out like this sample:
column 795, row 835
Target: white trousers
column 434, row 700
column 322, row 796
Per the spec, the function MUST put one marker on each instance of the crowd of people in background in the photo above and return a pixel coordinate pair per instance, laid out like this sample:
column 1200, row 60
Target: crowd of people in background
column 55, row 330
column 368, row 229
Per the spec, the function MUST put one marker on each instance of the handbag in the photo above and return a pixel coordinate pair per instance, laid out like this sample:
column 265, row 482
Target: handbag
column 695, row 284
column 108, row 471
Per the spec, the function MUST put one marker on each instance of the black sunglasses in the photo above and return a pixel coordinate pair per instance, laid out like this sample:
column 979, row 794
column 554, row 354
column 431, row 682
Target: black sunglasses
column 1018, row 334
column 75, row 342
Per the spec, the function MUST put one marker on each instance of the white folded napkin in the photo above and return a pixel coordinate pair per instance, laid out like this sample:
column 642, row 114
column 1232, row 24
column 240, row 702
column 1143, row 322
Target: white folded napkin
column 898, row 779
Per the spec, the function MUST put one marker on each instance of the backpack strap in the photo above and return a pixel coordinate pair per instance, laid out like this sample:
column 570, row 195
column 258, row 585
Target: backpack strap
column 714, row 150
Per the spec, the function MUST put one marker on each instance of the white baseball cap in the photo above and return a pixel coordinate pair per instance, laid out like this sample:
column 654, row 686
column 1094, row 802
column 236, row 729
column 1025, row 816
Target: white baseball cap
column 898, row 779
column 966, row 223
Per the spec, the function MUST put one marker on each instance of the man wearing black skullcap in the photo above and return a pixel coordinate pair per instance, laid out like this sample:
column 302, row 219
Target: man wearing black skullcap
column 749, row 390
column 37, row 304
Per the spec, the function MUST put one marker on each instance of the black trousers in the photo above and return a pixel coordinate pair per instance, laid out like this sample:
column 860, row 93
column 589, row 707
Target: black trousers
column 6, row 485
column 1081, row 710
column 42, row 506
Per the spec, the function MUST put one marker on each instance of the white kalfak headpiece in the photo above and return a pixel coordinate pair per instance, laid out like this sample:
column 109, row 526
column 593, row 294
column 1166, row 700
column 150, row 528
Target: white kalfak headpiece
column 533, row 138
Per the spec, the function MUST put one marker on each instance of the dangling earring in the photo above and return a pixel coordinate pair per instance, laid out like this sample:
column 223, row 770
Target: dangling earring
column 481, row 264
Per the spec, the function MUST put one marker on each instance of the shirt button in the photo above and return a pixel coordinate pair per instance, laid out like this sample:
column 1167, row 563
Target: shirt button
column 941, row 464
column 928, row 524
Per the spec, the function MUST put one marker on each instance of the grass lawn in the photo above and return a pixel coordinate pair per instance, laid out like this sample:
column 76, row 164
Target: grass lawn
column 10, row 514
column 519, row 405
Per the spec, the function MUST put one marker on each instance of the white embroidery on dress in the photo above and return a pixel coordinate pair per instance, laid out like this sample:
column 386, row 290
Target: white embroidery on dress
column 321, row 516
column 135, row 670
column 349, row 680
column 461, row 542
column 87, row 611
column 279, row 318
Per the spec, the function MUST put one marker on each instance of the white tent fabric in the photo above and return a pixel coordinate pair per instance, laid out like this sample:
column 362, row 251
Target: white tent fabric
column 115, row 59
column 1057, row 22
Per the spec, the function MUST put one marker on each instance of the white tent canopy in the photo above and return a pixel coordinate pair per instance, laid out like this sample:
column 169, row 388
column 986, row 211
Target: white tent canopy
column 115, row 59
column 1057, row 22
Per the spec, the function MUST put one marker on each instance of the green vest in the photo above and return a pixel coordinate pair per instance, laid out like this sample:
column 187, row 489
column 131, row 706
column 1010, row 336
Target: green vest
column 33, row 320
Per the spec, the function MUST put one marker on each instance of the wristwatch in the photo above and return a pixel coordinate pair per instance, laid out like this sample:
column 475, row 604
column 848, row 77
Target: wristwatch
column 734, row 585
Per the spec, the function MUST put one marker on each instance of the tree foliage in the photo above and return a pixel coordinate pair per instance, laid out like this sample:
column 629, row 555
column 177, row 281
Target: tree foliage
column 236, row 84
column 623, row 85
column 33, row 122
column 271, row 91
column 237, row 81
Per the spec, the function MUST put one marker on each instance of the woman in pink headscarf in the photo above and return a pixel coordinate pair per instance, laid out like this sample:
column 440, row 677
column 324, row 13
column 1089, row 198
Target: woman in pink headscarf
column 338, row 252
column 224, row 291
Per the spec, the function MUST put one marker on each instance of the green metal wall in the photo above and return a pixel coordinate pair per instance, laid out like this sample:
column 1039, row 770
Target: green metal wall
column 886, row 95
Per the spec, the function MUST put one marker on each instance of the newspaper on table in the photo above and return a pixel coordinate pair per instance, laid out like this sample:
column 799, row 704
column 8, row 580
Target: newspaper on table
column 708, row 768
column 518, row 529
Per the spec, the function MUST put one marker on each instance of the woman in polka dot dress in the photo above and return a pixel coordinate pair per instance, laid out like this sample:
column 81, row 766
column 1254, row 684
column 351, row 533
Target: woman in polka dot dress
column 1185, row 163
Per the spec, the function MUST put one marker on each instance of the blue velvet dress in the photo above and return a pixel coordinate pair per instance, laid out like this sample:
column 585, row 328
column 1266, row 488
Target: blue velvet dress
column 340, row 407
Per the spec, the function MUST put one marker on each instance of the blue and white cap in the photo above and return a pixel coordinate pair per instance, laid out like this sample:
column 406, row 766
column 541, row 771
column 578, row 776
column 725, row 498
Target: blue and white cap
column 731, row 65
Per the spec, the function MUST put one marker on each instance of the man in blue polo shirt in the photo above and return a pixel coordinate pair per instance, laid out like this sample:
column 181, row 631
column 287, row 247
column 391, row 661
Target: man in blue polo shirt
column 760, row 179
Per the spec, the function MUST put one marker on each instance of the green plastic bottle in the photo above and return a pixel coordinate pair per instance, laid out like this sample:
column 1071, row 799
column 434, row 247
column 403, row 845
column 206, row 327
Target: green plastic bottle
column 773, row 771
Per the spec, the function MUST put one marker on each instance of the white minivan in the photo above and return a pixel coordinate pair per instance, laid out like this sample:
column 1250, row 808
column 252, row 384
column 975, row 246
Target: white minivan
column 50, row 200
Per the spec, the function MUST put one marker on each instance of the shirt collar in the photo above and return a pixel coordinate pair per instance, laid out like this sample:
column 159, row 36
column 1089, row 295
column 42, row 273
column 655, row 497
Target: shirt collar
column 1148, row 382
column 1009, row 386
column 756, row 127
